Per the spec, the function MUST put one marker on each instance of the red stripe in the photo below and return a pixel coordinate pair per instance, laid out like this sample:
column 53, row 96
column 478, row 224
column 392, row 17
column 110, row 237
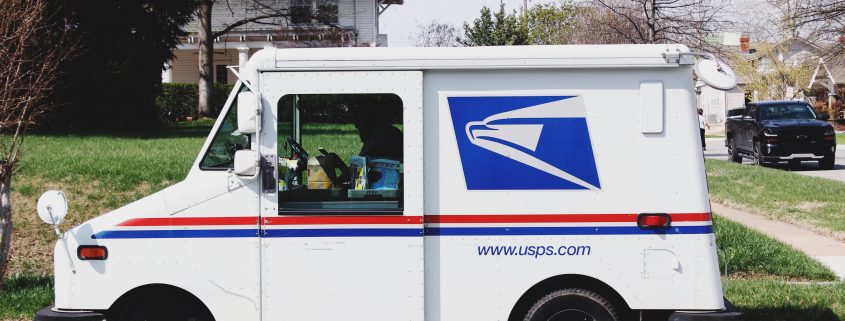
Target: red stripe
column 558, row 218
column 187, row 221
column 314, row 220
column 378, row 219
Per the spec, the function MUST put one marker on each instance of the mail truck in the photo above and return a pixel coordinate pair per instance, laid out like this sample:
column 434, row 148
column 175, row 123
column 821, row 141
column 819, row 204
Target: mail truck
column 440, row 184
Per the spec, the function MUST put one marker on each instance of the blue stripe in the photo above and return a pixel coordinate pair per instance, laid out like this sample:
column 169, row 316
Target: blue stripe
column 402, row 232
column 176, row 234
column 557, row 230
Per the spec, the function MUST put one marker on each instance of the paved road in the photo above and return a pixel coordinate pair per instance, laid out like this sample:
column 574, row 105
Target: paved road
column 716, row 150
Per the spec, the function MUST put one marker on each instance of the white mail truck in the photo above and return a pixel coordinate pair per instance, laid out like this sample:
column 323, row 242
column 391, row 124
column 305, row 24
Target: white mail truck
column 440, row 184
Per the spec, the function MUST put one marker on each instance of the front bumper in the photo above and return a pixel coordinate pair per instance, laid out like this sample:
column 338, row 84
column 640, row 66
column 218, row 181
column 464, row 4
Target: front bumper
column 49, row 314
column 787, row 152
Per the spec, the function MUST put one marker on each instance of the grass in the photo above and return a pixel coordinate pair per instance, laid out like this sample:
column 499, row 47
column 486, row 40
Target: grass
column 752, row 254
column 811, row 202
column 21, row 296
column 769, row 300
column 840, row 138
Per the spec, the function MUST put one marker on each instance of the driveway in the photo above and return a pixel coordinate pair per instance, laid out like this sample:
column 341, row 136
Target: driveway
column 716, row 150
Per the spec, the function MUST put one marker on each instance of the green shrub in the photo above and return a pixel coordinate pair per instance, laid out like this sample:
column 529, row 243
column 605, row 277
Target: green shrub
column 179, row 101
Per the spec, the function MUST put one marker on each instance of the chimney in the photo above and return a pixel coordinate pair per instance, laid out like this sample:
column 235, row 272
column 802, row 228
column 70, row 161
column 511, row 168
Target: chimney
column 744, row 39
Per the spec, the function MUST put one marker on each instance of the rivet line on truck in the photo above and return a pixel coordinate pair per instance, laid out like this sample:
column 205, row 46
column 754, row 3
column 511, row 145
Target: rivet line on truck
column 441, row 184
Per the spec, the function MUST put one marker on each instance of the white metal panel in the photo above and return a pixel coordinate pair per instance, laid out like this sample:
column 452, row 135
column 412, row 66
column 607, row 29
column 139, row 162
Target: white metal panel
column 651, row 107
column 659, row 173
column 356, row 277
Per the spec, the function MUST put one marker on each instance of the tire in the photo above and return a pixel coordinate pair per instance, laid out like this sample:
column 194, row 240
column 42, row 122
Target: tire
column 794, row 164
column 733, row 153
column 161, row 309
column 827, row 162
column 572, row 304
column 757, row 156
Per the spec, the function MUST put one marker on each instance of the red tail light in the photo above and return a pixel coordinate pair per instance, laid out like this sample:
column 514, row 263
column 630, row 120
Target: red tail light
column 92, row 252
column 651, row 221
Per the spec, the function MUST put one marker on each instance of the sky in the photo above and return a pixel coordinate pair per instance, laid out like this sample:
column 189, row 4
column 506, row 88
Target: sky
column 400, row 22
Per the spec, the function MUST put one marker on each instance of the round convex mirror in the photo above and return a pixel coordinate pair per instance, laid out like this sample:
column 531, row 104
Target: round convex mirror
column 52, row 207
column 715, row 74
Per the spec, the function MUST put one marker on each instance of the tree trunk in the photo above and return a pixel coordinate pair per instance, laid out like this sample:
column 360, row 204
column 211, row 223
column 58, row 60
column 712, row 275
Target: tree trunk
column 5, row 217
column 206, row 58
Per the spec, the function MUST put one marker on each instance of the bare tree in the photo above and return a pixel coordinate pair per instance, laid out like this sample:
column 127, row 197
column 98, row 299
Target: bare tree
column 33, row 44
column 260, row 12
column 823, row 19
column 436, row 34
column 690, row 22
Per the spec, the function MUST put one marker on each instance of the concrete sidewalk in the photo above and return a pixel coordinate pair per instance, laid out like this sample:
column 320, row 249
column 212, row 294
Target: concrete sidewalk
column 827, row 250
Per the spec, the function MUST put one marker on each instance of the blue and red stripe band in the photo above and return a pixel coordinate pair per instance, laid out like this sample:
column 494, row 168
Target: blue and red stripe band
column 435, row 225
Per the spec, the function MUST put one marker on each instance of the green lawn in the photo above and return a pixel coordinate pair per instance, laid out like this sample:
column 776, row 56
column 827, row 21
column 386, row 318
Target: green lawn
column 749, row 253
column 768, row 300
column 810, row 202
column 840, row 138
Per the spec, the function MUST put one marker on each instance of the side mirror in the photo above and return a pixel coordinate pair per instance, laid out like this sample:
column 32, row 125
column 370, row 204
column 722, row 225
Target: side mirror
column 247, row 112
column 823, row 117
column 52, row 208
column 246, row 163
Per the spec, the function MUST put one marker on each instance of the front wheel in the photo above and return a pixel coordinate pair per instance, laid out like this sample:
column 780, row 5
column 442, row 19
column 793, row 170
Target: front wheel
column 571, row 305
column 757, row 156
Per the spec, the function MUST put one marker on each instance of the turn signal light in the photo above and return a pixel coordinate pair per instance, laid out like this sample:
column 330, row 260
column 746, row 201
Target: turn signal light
column 92, row 252
column 650, row 221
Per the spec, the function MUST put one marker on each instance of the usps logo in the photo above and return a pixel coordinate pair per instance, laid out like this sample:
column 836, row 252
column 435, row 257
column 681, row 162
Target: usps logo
column 524, row 142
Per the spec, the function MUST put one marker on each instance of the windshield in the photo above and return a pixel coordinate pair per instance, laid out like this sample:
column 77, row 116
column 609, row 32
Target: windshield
column 786, row 111
column 227, row 140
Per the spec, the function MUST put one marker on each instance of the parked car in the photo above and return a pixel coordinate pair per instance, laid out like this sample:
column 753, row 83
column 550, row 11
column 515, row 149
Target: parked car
column 780, row 131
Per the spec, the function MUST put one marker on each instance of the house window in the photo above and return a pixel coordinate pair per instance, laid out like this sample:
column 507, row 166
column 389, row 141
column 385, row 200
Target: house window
column 300, row 11
column 340, row 154
column 221, row 74
column 327, row 11
column 303, row 12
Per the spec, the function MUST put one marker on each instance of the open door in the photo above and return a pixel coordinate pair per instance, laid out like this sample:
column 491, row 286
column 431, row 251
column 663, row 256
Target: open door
column 345, row 240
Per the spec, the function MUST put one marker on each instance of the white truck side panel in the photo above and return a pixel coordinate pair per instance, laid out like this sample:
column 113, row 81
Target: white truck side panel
column 639, row 173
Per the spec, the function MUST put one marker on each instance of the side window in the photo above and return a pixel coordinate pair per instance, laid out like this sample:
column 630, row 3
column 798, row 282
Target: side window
column 221, row 153
column 752, row 111
column 340, row 153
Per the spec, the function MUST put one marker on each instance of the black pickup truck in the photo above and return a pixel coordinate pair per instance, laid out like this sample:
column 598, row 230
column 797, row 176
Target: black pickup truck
column 780, row 131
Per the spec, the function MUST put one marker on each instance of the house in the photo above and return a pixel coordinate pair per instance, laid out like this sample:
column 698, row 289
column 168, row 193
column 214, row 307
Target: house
column 829, row 80
column 310, row 23
column 716, row 104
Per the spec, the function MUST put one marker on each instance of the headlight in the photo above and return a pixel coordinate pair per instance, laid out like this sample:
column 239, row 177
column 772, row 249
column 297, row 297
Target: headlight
column 829, row 131
column 770, row 132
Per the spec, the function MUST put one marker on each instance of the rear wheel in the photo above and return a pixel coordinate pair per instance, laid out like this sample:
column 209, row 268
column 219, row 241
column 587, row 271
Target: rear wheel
column 572, row 305
column 827, row 162
column 733, row 153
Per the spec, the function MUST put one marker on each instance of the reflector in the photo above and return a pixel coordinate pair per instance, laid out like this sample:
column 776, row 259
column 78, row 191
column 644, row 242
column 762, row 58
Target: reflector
column 654, row 221
column 92, row 252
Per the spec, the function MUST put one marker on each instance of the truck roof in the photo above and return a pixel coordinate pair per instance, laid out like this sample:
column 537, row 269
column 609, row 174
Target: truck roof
column 505, row 57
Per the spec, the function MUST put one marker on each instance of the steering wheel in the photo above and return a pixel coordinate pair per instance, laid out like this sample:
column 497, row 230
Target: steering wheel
column 297, row 150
